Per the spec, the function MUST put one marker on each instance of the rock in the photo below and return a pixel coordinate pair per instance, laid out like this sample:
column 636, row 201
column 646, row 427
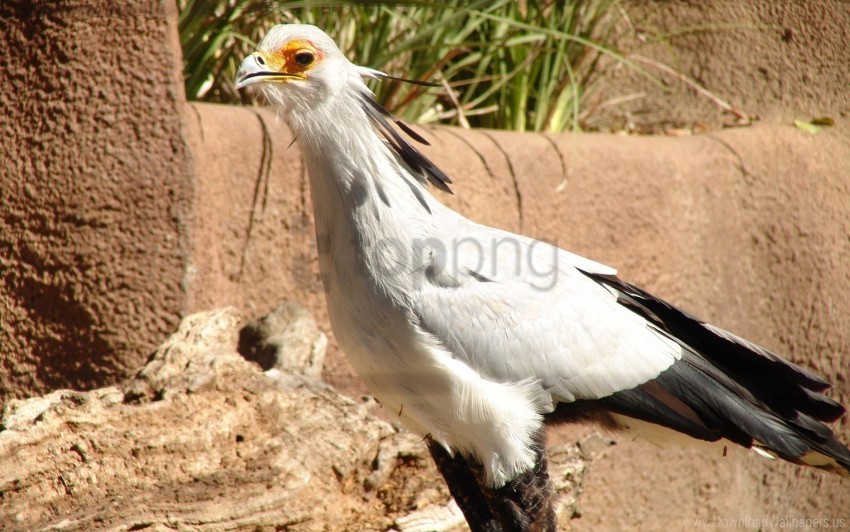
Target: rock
column 199, row 439
column 286, row 339
column 192, row 358
column 432, row 519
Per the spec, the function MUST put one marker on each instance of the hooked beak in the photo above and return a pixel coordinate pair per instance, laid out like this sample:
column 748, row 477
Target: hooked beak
column 254, row 69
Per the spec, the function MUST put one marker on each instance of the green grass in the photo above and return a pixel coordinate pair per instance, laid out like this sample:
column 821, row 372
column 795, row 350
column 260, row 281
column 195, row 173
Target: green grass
column 506, row 64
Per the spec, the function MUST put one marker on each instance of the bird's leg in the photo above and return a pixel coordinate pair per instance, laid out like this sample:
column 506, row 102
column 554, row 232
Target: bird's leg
column 524, row 503
column 464, row 487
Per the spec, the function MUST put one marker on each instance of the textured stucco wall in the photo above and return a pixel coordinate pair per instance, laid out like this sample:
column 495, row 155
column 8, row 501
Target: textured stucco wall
column 775, row 60
column 95, row 182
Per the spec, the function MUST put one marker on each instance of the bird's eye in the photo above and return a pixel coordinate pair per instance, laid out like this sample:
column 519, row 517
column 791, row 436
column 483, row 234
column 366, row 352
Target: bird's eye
column 304, row 59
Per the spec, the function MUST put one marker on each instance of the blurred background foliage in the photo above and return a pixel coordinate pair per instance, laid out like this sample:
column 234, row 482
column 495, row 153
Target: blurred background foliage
column 503, row 64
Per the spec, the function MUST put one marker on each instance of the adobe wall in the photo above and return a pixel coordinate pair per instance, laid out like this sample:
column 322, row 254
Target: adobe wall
column 95, row 187
column 779, row 61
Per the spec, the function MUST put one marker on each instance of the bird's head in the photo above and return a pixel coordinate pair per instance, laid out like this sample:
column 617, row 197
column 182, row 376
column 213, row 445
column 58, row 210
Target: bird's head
column 299, row 64
column 300, row 68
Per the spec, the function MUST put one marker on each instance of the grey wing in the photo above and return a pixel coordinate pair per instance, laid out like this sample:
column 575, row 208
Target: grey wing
column 516, row 309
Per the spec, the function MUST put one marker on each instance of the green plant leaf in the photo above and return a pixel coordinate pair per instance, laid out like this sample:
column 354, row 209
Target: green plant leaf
column 511, row 65
column 808, row 127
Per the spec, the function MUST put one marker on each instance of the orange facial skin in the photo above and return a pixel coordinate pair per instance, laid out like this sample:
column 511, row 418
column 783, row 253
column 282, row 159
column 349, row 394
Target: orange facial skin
column 295, row 59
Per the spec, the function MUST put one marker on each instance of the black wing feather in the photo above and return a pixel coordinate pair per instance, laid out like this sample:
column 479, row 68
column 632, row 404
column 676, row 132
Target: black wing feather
column 769, row 378
column 727, row 387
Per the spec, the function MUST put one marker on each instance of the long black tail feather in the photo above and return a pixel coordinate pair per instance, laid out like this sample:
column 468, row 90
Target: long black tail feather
column 726, row 387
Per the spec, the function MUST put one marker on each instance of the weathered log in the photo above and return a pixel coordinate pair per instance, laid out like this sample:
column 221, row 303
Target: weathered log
column 202, row 439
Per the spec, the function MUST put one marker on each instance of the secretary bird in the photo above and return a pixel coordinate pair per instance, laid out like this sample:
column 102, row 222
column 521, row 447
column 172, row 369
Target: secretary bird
column 447, row 326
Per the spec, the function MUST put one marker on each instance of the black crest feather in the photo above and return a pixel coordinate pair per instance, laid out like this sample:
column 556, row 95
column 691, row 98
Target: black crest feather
column 419, row 165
